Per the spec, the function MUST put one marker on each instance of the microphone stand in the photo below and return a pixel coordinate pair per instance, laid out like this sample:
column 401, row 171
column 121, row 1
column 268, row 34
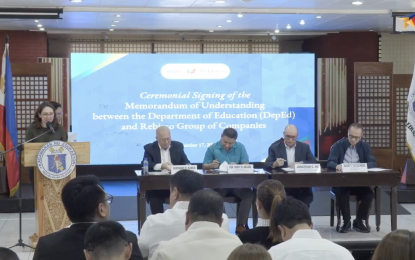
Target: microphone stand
column 20, row 149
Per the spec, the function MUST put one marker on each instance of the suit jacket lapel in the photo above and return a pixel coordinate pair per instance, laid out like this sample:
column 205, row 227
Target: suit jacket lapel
column 172, row 154
column 157, row 154
column 283, row 152
column 297, row 153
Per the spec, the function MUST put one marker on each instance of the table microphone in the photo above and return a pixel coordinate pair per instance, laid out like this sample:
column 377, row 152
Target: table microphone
column 49, row 125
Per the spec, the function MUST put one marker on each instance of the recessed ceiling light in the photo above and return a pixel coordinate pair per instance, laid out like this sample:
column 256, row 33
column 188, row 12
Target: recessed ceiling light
column 113, row 25
column 219, row 26
column 118, row 15
column 371, row 30
column 211, row 31
column 76, row 1
column 36, row 21
column 318, row 17
column 228, row 21
column 111, row 30
column 39, row 25
column 220, row 2
column 115, row 21
column 240, row 15
column 302, row 22
column 277, row 31
column 288, row 26
column 357, row 3
column 41, row 29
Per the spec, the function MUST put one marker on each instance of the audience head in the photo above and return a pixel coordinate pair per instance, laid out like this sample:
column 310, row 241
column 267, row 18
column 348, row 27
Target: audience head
column 291, row 215
column 163, row 137
column 85, row 200
column 205, row 205
column 228, row 138
column 107, row 240
column 45, row 112
column 58, row 111
column 398, row 244
column 249, row 252
column 7, row 254
column 269, row 194
column 183, row 185
column 355, row 133
column 290, row 135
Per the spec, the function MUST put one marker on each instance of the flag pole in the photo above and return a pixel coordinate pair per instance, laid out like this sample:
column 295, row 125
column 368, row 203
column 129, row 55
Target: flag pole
column 7, row 39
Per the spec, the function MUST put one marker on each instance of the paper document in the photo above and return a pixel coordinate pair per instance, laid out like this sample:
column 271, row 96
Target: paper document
column 224, row 167
column 288, row 169
column 72, row 137
column 377, row 169
column 159, row 173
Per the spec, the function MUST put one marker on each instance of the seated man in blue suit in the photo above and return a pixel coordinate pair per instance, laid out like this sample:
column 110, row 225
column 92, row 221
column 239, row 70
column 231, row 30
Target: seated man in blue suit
column 352, row 150
column 288, row 152
column 161, row 155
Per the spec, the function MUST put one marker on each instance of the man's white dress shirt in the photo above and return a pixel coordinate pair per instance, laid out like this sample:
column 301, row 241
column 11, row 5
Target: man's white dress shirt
column 290, row 154
column 202, row 241
column 308, row 244
column 165, row 226
column 165, row 158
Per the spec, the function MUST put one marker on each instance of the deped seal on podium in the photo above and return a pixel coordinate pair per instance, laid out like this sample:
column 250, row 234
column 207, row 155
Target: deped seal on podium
column 56, row 160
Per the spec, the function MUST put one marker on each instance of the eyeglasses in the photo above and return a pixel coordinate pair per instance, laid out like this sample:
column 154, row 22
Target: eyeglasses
column 109, row 198
column 357, row 138
column 288, row 137
column 47, row 115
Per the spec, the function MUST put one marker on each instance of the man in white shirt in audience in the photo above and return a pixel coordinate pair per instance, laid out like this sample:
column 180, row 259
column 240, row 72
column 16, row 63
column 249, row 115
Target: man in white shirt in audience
column 293, row 220
column 204, row 239
column 170, row 224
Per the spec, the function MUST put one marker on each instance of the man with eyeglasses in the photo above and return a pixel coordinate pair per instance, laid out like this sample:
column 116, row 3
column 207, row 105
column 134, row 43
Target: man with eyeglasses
column 287, row 152
column 161, row 155
column 352, row 150
column 85, row 203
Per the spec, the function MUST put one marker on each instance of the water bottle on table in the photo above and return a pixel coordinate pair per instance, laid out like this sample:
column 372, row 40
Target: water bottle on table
column 145, row 167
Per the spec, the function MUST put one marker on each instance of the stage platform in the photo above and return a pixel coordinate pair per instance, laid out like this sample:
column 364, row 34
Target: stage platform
column 124, row 206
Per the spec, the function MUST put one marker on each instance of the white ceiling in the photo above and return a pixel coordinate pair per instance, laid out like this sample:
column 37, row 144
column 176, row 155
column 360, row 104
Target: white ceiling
column 205, row 15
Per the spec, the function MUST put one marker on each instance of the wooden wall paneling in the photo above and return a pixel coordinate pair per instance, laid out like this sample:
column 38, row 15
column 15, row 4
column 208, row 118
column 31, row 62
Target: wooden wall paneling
column 401, row 84
column 32, row 86
column 374, row 100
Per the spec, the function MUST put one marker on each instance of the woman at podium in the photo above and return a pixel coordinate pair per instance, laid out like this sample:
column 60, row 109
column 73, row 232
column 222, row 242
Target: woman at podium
column 45, row 128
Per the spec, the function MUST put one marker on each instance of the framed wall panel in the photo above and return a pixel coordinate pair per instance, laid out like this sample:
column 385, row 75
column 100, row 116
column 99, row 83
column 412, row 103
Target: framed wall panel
column 374, row 100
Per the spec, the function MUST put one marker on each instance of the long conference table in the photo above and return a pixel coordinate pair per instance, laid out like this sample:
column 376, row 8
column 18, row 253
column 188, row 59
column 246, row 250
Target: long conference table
column 289, row 180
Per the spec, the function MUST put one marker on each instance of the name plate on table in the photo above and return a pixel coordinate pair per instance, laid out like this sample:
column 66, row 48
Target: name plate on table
column 176, row 168
column 354, row 167
column 242, row 168
column 307, row 168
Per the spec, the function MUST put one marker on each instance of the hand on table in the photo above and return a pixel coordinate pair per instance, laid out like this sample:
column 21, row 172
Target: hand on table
column 166, row 166
column 278, row 163
column 214, row 164
column 339, row 168
column 232, row 163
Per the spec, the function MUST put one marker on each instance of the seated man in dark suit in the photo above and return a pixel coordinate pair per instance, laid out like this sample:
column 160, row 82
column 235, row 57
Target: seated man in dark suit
column 352, row 150
column 107, row 240
column 288, row 152
column 161, row 155
column 85, row 202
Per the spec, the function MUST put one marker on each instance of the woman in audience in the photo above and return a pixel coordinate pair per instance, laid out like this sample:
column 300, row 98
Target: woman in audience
column 250, row 252
column 398, row 244
column 269, row 194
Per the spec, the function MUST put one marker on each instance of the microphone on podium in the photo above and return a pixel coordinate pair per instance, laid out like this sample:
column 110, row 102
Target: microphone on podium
column 49, row 125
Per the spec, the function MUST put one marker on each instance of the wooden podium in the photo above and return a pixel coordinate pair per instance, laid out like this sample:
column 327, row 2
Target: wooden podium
column 49, row 211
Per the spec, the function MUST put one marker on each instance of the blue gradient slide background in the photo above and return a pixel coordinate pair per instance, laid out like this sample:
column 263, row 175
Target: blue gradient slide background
column 104, row 83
